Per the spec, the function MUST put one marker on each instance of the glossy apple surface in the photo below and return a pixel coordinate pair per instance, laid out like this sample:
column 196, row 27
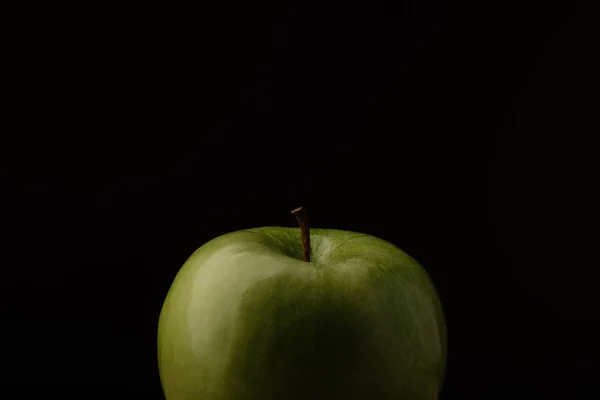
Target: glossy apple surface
column 248, row 319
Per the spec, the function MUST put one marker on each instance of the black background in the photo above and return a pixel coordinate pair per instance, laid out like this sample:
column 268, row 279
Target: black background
column 461, row 132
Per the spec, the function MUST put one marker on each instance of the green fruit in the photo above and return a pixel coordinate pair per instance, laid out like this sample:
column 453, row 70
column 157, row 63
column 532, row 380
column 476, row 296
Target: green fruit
column 247, row 318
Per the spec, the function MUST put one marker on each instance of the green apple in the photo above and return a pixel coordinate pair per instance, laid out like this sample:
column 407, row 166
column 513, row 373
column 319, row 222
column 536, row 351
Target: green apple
column 248, row 318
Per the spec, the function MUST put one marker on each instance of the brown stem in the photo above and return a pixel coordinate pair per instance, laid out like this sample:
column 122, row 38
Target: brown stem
column 302, row 217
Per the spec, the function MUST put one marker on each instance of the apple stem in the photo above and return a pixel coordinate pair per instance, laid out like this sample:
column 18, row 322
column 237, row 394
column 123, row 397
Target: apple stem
column 302, row 217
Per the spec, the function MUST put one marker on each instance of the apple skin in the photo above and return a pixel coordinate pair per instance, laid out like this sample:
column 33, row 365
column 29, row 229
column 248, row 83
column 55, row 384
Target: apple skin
column 247, row 318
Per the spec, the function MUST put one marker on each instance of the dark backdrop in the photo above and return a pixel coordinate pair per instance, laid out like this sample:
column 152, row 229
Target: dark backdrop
column 461, row 132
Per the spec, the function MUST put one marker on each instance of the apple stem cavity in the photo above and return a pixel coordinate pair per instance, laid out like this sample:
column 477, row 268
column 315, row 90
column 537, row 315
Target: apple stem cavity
column 302, row 217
